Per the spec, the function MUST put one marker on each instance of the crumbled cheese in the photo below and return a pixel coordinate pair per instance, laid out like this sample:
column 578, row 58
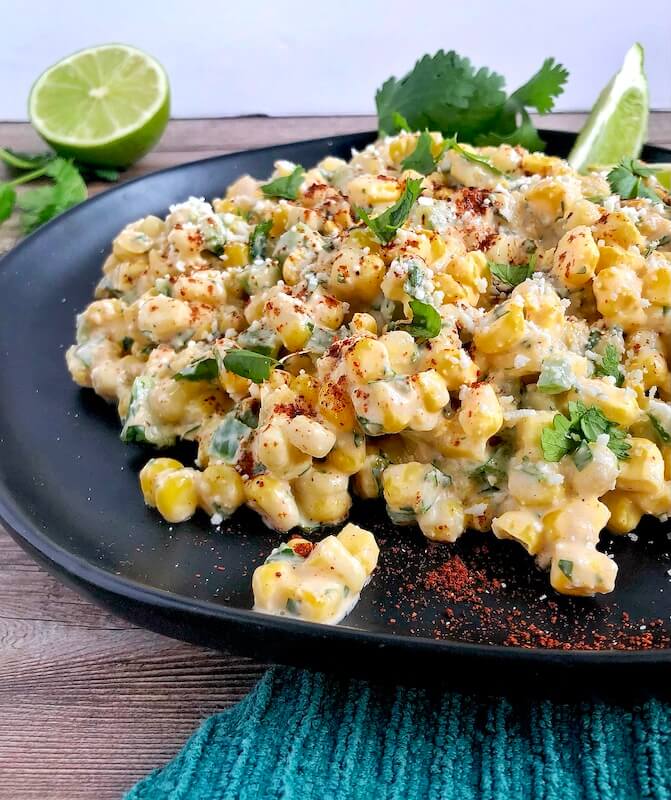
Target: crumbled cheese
column 476, row 510
column 521, row 361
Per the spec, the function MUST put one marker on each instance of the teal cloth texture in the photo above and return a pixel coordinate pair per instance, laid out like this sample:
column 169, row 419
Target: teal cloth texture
column 305, row 735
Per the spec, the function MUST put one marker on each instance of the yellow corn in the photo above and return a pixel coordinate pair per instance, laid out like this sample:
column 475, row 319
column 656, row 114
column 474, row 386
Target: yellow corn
column 175, row 494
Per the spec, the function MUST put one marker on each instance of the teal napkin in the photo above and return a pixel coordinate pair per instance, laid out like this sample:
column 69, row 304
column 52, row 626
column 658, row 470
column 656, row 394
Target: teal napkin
column 304, row 735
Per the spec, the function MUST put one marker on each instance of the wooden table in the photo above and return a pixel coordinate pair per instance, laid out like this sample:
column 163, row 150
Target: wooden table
column 88, row 703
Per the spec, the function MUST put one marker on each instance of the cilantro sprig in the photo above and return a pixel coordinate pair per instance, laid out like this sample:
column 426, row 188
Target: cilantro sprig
column 259, row 239
column 469, row 155
column 248, row 364
column 627, row 179
column 445, row 92
column 421, row 159
column 566, row 435
column 513, row 274
column 385, row 225
column 610, row 365
column 426, row 322
column 205, row 369
column 64, row 188
column 286, row 186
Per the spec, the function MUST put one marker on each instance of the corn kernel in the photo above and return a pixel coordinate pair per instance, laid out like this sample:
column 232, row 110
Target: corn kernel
column 336, row 407
column 624, row 512
column 236, row 254
column 331, row 557
column 361, row 544
column 220, row 489
column 643, row 471
column 150, row 472
column 503, row 332
column 175, row 494
column 520, row 526
column 322, row 495
column 274, row 501
column 367, row 361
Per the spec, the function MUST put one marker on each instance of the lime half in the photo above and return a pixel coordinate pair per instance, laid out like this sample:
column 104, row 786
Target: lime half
column 107, row 105
column 617, row 126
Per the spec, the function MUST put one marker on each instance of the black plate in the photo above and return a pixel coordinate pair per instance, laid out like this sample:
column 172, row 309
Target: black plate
column 69, row 494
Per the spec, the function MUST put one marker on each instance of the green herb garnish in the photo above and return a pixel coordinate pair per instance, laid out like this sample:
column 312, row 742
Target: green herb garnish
column 227, row 437
column 248, row 364
column 259, row 239
column 627, row 180
column 385, row 225
column 660, row 430
column 205, row 369
column 421, row 159
column 39, row 205
column 469, row 155
column 426, row 322
column 566, row 567
column 513, row 274
column 584, row 424
column 286, row 187
column 610, row 365
column 445, row 92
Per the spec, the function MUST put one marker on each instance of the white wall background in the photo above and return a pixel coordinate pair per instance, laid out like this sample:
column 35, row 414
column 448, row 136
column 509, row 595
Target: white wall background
column 229, row 57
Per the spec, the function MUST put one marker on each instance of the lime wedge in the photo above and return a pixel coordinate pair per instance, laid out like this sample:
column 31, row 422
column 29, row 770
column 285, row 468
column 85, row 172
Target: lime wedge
column 663, row 174
column 617, row 126
column 106, row 106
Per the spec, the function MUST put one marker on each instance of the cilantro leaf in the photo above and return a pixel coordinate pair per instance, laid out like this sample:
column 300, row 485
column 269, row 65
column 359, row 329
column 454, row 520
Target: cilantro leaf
column 617, row 443
column 426, row 322
column 513, row 274
column 660, row 430
column 555, row 439
column 585, row 424
column 7, row 200
column 227, row 437
column 259, row 239
column 205, row 369
column 248, row 364
column 494, row 472
column 469, row 155
column 399, row 122
column 286, row 187
column 626, row 180
column 421, row 159
column 385, row 225
column 45, row 202
column 541, row 89
column 566, row 567
column 582, row 456
column 610, row 365
column 443, row 92
column 524, row 135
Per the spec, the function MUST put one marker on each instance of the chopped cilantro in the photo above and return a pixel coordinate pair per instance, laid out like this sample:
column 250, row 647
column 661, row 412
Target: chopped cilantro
column 385, row 225
column 421, row 159
column 610, row 365
column 627, row 180
column 585, row 424
column 286, row 187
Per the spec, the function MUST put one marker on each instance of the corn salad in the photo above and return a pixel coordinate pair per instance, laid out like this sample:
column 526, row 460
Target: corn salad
column 283, row 335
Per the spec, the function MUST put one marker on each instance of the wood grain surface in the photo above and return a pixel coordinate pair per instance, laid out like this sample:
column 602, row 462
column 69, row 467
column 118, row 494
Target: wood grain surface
column 88, row 703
